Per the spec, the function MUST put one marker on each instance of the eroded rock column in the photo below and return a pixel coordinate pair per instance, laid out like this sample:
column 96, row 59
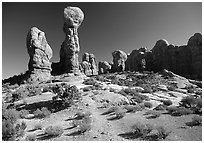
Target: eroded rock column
column 73, row 17
column 40, row 54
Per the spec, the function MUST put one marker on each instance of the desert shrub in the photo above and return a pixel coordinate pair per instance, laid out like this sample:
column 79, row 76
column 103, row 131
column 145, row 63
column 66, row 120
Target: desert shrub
column 148, row 104
column 167, row 102
column 188, row 101
column 160, row 107
column 30, row 137
column 33, row 90
column 147, row 88
column 83, row 127
column 23, row 113
column 141, row 130
column 181, row 111
column 196, row 120
column 38, row 113
column 112, row 109
column 67, row 94
column 81, row 114
column 172, row 109
column 54, row 131
column 10, row 114
column 171, row 87
column 95, row 92
column 38, row 126
column 20, row 129
column 120, row 114
column 9, row 118
column 88, row 88
column 153, row 114
column 45, row 112
column 112, row 90
column 8, row 130
column 90, row 81
column 132, row 108
column 162, row 133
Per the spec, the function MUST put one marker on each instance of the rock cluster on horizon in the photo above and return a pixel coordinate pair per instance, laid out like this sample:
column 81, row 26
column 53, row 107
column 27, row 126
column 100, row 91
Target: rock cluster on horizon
column 184, row 60
column 89, row 64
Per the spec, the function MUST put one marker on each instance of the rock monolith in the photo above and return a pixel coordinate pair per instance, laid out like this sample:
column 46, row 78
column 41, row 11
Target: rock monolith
column 40, row 54
column 73, row 17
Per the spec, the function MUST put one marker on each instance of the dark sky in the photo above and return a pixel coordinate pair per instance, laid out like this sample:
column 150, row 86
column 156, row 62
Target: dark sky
column 106, row 27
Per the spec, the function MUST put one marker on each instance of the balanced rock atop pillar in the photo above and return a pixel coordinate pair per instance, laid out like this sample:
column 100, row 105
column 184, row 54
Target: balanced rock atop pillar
column 40, row 54
column 119, row 58
column 73, row 17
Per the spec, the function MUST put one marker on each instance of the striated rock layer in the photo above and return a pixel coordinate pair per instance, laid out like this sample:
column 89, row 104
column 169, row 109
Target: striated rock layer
column 40, row 53
column 184, row 60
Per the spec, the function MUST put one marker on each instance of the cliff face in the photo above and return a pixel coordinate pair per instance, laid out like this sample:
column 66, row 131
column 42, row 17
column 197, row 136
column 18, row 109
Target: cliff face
column 183, row 60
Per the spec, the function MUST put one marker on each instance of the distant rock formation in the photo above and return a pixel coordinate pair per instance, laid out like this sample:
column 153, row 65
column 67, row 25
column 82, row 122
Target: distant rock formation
column 73, row 17
column 40, row 54
column 104, row 67
column 119, row 58
column 136, row 60
column 184, row 60
column 89, row 64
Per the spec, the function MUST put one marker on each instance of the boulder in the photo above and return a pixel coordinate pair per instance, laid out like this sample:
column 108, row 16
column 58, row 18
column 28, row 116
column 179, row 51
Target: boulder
column 119, row 58
column 40, row 53
column 104, row 67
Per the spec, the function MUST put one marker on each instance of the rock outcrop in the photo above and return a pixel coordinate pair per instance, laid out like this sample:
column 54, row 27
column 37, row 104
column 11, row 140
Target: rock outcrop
column 89, row 64
column 40, row 54
column 73, row 17
column 183, row 60
column 119, row 58
column 136, row 60
column 104, row 67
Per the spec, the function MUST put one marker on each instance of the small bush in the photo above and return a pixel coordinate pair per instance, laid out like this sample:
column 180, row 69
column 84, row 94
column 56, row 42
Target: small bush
column 23, row 113
column 30, row 137
column 120, row 114
column 153, row 113
column 148, row 104
column 160, row 107
column 10, row 114
column 188, row 101
column 181, row 111
column 172, row 109
column 88, row 88
column 8, row 131
column 132, row 108
column 196, row 121
column 81, row 114
column 141, row 130
column 112, row 109
column 43, row 113
column 38, row 126
column 167, row 102
column 84, row 127
column 162, row 133
column 54, row 131
column 20, row 129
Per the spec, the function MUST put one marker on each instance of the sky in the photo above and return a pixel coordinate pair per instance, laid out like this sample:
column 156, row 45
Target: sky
column 106, row 27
